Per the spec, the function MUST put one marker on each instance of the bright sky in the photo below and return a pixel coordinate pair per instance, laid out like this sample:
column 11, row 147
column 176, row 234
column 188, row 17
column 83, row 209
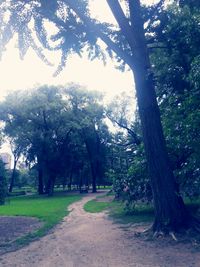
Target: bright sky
column 18, row 74
column 27, row 73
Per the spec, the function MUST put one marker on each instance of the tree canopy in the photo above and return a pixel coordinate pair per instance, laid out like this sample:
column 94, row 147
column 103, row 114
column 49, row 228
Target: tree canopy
column 60, row 131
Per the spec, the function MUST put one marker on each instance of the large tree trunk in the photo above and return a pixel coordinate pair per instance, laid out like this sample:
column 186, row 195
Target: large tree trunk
column 170, row 211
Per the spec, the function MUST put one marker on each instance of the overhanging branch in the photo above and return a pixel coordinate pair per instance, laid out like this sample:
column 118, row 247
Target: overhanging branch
column 98, row 32
column 122, row 22
column 136, row 139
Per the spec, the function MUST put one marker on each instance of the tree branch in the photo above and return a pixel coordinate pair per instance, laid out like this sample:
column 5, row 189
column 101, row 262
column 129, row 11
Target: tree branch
column 98, row 32
column 122, row 22
column 136, row 139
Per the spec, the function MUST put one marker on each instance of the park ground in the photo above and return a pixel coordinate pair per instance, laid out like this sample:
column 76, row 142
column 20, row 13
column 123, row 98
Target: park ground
column 94, row 240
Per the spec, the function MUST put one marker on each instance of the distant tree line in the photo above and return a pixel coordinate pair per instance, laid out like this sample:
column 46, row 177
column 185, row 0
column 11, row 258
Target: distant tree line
column 61, row 133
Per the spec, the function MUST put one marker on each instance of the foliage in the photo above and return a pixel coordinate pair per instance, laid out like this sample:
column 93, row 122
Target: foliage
column 25, row 178
column 60, row 132
column 182, row 127
column 70, row 33
column 65, row 26
column 176, row 66
column 133, row 185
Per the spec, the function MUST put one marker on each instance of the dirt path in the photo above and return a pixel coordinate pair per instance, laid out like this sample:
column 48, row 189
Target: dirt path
column 92, row 240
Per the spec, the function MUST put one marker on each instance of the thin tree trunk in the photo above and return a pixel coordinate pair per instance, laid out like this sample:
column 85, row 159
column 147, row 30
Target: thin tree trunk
column 92, row 149
column 51, row 184
column 40, row 182
column 80, row 180
column 2, row 190
column 12, row 180
column 93, row 169
column 70, row 177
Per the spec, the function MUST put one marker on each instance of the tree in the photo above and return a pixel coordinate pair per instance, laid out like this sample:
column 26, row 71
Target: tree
column 3, row 189
column 16, row 150
column 34, row 121
column 191, row 3
column 119, row 112
column 75, row 31
column 88, row 116
column 58, row 130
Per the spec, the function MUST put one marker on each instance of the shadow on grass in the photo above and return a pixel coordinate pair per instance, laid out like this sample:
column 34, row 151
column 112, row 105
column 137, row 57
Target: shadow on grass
column 140, row 214
column 116, row 210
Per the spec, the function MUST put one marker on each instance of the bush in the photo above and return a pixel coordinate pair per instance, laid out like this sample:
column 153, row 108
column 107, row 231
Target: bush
column 133, row 186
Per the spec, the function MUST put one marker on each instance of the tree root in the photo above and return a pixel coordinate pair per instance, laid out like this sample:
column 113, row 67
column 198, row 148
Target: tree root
column 173, row 236
column 188, row 232
column 158, row 234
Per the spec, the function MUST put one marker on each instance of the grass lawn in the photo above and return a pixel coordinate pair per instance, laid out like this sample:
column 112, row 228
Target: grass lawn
column 93, row 206
column 142, row 213
column 49, row 210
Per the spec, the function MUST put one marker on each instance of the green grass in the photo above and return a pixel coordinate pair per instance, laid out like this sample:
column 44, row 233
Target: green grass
column 104, row 187
column 93, row 206
column 142, row 213
column 49, row 210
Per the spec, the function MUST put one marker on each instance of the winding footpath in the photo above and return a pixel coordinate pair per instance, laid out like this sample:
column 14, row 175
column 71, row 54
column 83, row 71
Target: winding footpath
column 92, row 240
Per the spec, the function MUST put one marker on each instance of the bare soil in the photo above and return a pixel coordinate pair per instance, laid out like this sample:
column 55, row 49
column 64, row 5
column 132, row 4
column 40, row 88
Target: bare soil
column 14, row 227
column 93, row 240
